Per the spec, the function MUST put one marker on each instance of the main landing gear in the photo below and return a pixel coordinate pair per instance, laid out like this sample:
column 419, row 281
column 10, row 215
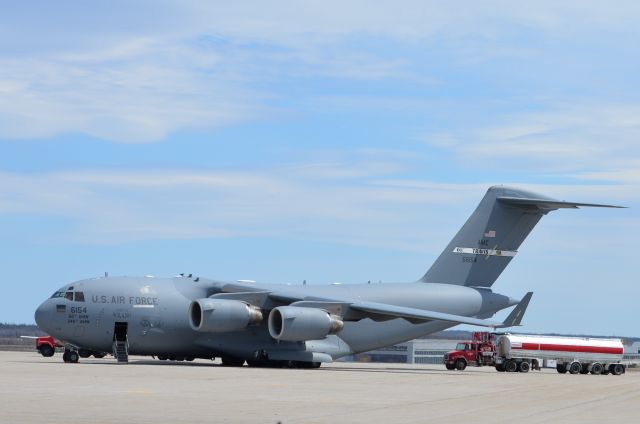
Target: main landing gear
column 70, row 356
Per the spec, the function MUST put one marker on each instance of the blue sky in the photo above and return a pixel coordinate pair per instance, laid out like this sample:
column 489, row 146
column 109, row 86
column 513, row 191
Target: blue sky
column 283, row 141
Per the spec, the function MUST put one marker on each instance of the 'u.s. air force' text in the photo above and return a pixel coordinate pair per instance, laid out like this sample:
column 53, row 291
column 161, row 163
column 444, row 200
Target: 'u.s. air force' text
column 123, row 300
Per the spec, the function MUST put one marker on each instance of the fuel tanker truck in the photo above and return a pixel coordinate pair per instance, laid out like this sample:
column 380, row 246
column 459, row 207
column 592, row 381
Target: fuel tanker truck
column 520, row 353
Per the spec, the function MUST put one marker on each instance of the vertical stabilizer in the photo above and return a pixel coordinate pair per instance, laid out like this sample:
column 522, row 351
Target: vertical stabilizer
column 490, row 238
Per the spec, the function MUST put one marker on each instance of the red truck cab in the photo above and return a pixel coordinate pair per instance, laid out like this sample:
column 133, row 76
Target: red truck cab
column 477, row 352
column 47, row 345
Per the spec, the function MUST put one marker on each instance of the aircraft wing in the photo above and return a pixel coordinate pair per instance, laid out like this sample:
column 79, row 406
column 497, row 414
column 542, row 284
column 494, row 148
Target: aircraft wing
column 418, row 315
column 353, row 311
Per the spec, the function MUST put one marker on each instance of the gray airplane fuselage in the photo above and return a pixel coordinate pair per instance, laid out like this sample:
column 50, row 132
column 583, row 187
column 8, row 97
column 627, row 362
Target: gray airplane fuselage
column 156, row 311
column 305, row 324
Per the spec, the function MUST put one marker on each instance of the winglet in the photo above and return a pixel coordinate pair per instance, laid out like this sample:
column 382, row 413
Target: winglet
column 515, row 317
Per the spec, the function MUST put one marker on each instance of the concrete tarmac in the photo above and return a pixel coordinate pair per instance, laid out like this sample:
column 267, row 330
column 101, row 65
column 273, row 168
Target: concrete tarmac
column 34, row 389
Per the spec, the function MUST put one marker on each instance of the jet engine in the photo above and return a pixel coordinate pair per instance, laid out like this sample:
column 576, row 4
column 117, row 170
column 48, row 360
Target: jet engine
column 222, row 315
column 293, row 323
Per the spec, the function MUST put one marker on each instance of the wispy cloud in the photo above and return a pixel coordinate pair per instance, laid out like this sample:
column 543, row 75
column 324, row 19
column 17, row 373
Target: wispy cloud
column 352, row 203
column 139, row 91
column 119, row 206
column 180, row 65
column 566, row 140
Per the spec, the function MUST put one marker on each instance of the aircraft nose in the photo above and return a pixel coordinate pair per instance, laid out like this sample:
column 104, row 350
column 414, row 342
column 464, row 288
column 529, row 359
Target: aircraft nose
column 43, row 315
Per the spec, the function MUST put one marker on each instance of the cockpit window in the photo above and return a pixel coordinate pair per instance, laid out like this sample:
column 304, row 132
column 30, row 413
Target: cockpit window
column 70, row 295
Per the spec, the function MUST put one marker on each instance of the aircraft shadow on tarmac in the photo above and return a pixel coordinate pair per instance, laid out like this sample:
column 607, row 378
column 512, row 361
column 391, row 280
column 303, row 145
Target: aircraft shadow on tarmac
column 326, row 368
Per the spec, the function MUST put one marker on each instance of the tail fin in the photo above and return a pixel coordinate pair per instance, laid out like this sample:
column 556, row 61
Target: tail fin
column 490, row 238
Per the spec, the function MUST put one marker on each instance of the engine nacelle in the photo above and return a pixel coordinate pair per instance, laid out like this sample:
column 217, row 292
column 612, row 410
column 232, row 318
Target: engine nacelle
column 296, row 324
column 222, row 315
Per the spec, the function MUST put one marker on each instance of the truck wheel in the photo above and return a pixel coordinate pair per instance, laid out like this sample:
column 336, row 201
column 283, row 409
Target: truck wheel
column 561, row 368
column 524, row 366
column 500, row 367
column 511, row 366
column 617, row 369
column 450, row 367
column 596, row 368
column 461, row 364
column 65, row 356
column 584, row 369
column 46, row 350
column 575, row 368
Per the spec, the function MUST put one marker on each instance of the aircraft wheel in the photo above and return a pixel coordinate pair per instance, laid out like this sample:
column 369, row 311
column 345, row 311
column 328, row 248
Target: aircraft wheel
column 99, row 355
column 84, row 353
column 561, row 368
column 596, row 368
column 575, row 368
column 524, row 366
column 73, row 357
column 162, row 357
column 511, row 366
column 230, row 361
column 461, row 364
column 46, row 350
column 65, row 356
column 189, row 358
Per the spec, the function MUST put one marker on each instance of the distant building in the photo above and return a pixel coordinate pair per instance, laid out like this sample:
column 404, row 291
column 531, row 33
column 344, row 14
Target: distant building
column 632, row 353
column 419, row 351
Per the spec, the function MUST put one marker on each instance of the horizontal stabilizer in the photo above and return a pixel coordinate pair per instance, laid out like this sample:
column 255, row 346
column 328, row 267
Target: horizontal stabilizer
column 548, row 204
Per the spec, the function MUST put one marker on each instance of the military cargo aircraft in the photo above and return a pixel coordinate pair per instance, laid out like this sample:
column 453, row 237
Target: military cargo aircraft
column 188, row 317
